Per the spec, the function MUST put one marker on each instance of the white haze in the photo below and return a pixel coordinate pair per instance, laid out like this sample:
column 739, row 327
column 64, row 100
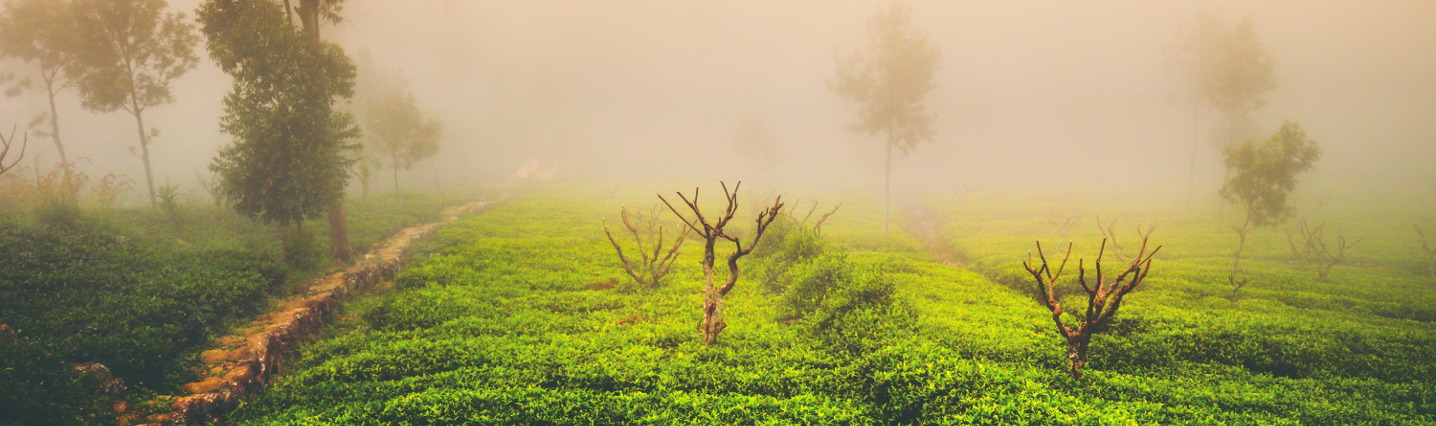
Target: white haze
column 1032, row 93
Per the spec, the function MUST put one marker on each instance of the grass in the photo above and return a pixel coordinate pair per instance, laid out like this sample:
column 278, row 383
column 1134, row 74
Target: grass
column 503, row 319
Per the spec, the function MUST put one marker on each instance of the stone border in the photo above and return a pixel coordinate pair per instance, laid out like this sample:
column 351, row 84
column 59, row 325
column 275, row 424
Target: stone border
column 256, row 355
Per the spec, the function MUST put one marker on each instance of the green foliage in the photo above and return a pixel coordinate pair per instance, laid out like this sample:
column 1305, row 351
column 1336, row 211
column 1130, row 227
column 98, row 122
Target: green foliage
column 170, row 205
column 788, row 244
column 1263, row 175
column 290, row 160
column 131, row 304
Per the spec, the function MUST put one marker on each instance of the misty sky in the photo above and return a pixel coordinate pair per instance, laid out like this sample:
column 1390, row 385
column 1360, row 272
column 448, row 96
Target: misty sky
column 1031, row 92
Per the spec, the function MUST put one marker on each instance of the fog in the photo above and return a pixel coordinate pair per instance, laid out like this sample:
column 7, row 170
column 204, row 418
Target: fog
column 1031, row 94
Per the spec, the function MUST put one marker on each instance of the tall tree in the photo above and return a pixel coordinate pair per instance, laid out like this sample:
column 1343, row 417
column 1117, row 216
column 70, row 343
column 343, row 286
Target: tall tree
column 889, row 81
column 291, row 154
column 1238, row 77
column 132, row 51
column 42, row 32
column 1191, row 54
column 1262, row 178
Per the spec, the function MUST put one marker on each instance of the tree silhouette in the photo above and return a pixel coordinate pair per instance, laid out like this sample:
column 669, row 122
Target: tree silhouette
column 889, row 81
column 1262, row 178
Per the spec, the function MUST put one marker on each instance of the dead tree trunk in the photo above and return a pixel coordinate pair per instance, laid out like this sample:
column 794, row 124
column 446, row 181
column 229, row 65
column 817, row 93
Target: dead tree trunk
column 1104, row 296
column 651, row 265
column 712, row 231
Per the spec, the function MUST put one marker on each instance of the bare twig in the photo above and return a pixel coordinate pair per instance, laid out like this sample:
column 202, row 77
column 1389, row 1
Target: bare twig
column 6, row 144
column 1104, row 296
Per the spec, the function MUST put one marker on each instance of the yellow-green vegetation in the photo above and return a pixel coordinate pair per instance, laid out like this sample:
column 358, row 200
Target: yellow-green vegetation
column 508, row 318
column 139, row 292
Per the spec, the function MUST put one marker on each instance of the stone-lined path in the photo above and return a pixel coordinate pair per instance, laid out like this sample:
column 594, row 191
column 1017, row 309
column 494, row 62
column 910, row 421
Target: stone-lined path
column 256, row 354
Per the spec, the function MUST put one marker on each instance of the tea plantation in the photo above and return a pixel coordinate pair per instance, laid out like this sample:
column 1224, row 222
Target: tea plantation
column 524, row 315
column 142, row 295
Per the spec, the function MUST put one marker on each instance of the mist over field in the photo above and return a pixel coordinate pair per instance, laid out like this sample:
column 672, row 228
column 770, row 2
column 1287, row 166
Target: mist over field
column 1029, row 94
column 442, row 212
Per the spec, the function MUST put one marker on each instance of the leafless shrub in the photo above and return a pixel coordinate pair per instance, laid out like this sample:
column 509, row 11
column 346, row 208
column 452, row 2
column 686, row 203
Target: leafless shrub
column 711, row 232
column 1104, row 296
column 6, row 144
column 1430, row 252
column 1109, row 233
column 652, row 263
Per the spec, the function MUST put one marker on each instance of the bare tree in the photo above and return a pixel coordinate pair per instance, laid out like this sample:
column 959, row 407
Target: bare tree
column 652, row 264
column 6, row 144
column 712, row 231
column 1310, row 237
column 1430, row 252
column 1104, row 296
column 1333, row 259
column 212, row 188
column 1110, row 233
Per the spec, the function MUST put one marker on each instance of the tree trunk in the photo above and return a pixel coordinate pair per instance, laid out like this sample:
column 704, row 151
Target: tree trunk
column 55, row 123
column 712, row 299
column 396, row 178
column 338, row 224
column 145, row 156
column 339, row 233
column 1237, row 260
column 888, row 186
column 1192, row 164
column 1077, row 355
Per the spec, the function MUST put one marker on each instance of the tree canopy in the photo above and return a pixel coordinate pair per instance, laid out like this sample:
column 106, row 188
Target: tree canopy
column 289, row 160
column 396, row 128
column 42, row 32
column 131, row 52
column 1263, row 174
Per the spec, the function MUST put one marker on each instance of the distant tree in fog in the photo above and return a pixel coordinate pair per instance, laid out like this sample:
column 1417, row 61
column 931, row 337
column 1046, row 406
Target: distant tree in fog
column 1262, row 176
column 131, row 50
column 889, row 80
column 42, row 32
column 754, row 142
column 1225, row 67
column 290, row 158
column 395, row 127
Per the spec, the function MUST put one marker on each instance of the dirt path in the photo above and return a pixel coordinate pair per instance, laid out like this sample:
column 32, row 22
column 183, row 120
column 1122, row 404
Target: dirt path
column 257, row 353
column 928, row 229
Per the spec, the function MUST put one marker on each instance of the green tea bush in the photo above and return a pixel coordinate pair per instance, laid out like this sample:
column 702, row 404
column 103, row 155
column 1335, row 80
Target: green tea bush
column 130, row 304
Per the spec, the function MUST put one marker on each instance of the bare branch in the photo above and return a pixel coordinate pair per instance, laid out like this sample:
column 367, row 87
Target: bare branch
column 9, row 142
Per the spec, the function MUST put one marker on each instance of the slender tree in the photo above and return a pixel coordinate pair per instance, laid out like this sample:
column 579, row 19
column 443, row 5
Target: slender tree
column 42, row 33
column 399, row 131
column 1238, row 77
column 889, row 81
column 292, row 152
column 1262, row 178
column 132, row 51
column 1191, row 54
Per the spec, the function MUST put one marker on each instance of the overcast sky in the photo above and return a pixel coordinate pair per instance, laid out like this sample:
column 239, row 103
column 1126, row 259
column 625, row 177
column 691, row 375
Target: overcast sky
column 1031, row 92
